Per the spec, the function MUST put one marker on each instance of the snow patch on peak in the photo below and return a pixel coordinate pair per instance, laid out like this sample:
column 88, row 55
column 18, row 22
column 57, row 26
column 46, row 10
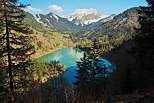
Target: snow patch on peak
column 50, row 16
column 91, row 21
column 48, row 21
column 84, row 16
column 85, row 11
column 38, row 18
column 56, row 17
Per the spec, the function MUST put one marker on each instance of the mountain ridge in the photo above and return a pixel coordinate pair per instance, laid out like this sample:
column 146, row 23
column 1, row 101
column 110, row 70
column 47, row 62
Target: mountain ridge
column 84, row 16
column 122, row 24
column 44, row 39
column 56, row 22
column 95, row 24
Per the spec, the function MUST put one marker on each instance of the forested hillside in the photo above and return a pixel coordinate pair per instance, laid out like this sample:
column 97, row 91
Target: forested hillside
column 121, row 25
column 44, row 38
column 113, row 33
column 20, row 42
column 127, row 42
column 103, row 60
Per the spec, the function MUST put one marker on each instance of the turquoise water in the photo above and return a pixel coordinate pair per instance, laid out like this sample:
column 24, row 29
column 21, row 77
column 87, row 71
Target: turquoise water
column 68, row 57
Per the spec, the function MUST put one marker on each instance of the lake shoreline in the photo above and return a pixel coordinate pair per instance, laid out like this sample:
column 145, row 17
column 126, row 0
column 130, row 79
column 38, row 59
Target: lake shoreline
column 37, row 54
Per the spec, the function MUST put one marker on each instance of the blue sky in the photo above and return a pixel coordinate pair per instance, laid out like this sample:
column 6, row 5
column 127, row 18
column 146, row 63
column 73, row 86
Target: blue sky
column 65, row 7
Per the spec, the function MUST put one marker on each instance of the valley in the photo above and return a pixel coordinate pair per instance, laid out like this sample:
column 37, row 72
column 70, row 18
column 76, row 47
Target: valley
column 51, row 30
column 83, row 54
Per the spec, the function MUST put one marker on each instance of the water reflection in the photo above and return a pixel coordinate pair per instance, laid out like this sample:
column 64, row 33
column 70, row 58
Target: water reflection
column 68, row 57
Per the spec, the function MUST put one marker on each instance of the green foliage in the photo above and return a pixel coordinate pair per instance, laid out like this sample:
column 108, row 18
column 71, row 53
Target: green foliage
column 39, row 44
column 113, row 33
column 143, row 50
column 15, row 51
column 38, row 75
column 92, row 78
column 47, row 68
column 135, row 68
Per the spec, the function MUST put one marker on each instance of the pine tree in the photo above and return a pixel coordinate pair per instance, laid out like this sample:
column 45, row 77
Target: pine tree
column 14, row 47
column 83, row 83
column 99, row 72
column 92, row 76
column 144, row 49
column 94, row 54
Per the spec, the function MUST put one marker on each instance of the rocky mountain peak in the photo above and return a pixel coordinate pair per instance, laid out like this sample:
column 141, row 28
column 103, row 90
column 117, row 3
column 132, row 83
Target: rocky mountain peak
column 85, row 16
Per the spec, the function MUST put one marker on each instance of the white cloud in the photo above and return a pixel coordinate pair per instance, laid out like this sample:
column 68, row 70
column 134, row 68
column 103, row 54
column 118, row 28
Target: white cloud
column 56, row 8
column 34, row 9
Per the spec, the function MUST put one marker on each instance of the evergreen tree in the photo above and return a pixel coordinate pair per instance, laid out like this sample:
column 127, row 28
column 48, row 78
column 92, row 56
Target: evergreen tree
column 83, row 82
column 94, row 54
column 144, row 49
column 14, row 48
column 98, row 72
column 92, row 76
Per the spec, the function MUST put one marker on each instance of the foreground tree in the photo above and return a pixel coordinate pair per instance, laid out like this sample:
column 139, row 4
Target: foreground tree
column 83, row 83
column 144, row 49
column 92, row 77
column 14, row 48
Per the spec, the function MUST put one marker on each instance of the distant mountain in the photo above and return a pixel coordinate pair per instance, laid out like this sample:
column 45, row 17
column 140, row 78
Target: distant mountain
column 95, row 24
column 44, row 38
column 32, row 22
column 81, row 19
column 56, row 23
column 121, row 25
column 84, row 16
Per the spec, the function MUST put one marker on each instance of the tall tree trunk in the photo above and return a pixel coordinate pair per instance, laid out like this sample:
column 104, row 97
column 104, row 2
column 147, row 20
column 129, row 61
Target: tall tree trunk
column 9, row 55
